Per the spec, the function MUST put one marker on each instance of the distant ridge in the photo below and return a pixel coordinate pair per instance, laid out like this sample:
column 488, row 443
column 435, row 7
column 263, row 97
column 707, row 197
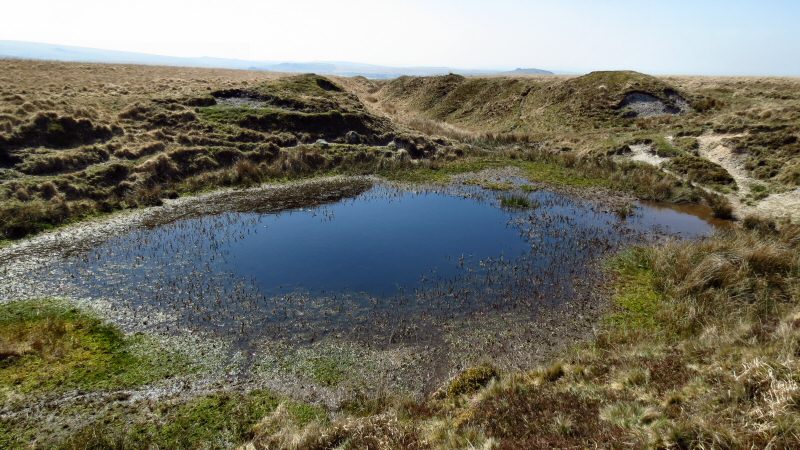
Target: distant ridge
column 34, row 50
column 529, row 72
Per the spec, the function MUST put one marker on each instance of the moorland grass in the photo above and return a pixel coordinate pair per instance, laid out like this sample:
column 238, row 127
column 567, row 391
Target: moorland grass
column 48, row 346
column 132, row 147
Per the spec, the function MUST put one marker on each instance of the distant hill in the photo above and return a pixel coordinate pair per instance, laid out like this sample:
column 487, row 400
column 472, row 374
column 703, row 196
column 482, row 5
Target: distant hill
column 33, row 50
column 529, row 72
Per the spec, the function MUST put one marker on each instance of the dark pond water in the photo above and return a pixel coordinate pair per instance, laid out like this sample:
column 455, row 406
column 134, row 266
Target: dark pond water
column 364, row 264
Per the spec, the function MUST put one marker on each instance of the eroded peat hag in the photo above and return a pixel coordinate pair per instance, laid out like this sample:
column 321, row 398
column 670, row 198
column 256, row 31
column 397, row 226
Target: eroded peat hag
column 391, row 267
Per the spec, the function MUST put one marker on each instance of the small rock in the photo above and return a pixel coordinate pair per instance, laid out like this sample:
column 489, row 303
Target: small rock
column 322, row 143
column 352, row 137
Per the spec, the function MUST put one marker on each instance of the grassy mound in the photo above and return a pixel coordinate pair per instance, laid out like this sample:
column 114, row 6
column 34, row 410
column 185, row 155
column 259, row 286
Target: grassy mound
column 305, row 93
column 329, row 125
column 51, row 130
column 601, row 94
column 537, row 108
column 305, row 104
column 50, row 162
column 488, row 103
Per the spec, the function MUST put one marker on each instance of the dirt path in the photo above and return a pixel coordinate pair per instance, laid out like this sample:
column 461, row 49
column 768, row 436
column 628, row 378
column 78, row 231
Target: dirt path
column 785, row 205
column 712, row 148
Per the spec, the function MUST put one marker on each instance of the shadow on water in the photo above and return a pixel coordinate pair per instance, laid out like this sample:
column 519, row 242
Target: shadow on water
column 384, row 267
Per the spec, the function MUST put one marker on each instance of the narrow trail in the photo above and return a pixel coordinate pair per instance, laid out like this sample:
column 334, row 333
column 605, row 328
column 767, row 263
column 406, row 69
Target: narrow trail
column 713, row 149
column 784, row 205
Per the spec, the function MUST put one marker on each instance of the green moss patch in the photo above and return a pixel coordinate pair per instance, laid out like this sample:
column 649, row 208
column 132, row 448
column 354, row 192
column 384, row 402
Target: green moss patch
column 49, row 346
column 326, row 370
column 635, row 296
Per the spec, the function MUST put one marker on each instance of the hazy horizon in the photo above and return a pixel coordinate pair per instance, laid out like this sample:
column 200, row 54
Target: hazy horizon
column 679, row 37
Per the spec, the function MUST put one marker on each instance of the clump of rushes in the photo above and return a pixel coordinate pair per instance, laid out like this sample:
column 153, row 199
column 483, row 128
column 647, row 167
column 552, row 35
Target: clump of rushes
column 515, row 201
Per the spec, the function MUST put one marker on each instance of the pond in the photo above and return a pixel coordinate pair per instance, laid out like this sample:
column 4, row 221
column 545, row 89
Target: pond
column 363, row 265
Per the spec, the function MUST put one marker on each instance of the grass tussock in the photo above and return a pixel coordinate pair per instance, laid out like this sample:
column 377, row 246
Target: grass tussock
column 468, row 381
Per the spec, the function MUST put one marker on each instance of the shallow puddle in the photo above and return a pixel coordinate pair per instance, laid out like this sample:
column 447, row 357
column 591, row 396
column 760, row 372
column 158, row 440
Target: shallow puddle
column 388, row 265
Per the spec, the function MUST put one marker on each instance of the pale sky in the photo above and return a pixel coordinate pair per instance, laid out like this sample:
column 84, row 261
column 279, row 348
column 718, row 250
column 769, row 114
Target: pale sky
column 734, row 37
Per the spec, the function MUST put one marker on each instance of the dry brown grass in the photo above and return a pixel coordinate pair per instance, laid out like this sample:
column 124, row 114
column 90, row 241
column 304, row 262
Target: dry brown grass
column 380, row 432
